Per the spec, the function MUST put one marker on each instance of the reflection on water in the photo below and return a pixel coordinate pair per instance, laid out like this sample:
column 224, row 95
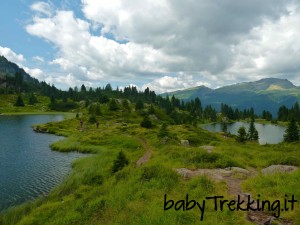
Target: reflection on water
column 269, row 133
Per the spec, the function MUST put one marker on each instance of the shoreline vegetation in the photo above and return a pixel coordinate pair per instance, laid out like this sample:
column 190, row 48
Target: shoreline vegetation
column 93, row 194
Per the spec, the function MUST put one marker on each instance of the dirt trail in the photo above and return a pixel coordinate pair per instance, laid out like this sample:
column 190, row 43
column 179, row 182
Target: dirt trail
column 233, row 177
column 145, row 158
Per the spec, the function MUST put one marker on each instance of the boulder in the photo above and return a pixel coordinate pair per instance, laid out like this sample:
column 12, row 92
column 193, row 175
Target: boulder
column 279, row 169
column 185, row 142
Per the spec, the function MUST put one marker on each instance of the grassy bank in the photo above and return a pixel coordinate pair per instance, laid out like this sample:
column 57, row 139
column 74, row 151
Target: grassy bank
column 93, row 194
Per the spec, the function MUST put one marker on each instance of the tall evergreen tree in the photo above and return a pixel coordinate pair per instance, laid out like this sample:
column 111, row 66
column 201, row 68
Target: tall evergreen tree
column 97, row 109
column 224, row 127
column 32, row 99
column 113, row 106
column 139, row 105
column 125, row 105
column 20, row 102
column 283, row 113
column 83, row 88
column 252, row 132
column 292, row 132
column 146, row 123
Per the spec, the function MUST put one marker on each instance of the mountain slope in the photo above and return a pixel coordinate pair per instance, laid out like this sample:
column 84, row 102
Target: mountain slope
column 8, row 68
column 7, row 75
column 265, row 94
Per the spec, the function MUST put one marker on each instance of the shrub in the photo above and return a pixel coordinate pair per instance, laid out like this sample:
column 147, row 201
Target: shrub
column 93, row 179
column 92, row 119
column 163, row 132
column 120, row 162
column 146, row 123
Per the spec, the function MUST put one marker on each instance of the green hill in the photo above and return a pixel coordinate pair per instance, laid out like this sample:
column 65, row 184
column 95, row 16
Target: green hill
column 265, row 94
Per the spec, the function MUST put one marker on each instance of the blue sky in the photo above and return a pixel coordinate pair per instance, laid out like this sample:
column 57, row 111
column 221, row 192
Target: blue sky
column 164, row 44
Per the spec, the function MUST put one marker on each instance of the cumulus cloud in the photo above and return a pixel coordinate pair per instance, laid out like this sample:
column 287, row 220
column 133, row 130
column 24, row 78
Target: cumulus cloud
column 169, row 45
column 36, row 73
column 169, row 83
column 19, row 59
column 11, row 55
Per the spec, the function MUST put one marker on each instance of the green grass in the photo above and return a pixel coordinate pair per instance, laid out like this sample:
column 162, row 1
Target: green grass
column 93, row 195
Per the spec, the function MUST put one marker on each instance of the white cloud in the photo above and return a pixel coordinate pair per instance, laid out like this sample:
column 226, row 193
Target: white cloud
column 38, row 59
column 69, row 80
column 36, row 73
column 159, row 42
column 11, row 55
column 169, row 84
column 19, row 59
column 96, row 57
column 43, row 8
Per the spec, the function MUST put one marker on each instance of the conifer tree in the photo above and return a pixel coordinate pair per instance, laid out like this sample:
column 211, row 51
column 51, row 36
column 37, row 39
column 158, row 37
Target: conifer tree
column 139, row 105
column 125, row 105
column 97, row 109
column 242, row 135
column 163, row 131
column 20, row 102
column 113, row 106
column 32, row 99
column 224, row 127
column 252, row 132
column 146, row 123
column 292, row 132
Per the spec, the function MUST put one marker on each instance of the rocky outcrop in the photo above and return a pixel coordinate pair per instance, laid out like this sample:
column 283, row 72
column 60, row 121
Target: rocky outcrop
column 278, row 169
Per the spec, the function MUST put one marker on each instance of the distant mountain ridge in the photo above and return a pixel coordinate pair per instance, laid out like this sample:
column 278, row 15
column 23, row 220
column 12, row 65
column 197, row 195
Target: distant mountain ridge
column 265, row 94
column 8, row 71
column 8, row 68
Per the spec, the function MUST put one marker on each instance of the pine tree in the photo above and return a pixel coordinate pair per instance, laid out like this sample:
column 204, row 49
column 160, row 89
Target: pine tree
column 146, row 123
column 32, row 99
column 125, row 105
column 52, row 102
column 97, row 110
column 83, row 88
column 292, row 132
column 242, row 135
column 20, row 102
column 113, row 106
column 139, row 105
column 224, row 127
column 163, row 131
column 252, row 132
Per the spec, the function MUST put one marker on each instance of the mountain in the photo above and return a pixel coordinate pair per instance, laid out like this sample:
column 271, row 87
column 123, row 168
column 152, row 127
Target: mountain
column 8, row 68
column 265, row 94
column 7, row 74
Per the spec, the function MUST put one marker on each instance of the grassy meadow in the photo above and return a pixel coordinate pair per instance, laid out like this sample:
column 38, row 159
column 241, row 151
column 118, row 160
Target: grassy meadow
column 92, row 194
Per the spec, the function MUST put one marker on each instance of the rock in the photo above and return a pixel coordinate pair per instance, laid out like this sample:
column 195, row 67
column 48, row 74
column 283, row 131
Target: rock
column 238, row 170
column 279, row 169
column 184, row 172
column 208, row 148
column 185, row 142
column 153, row 117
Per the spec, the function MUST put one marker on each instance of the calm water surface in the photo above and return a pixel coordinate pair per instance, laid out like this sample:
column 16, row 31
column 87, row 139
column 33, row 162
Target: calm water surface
column 28, row 168
column 269, row 133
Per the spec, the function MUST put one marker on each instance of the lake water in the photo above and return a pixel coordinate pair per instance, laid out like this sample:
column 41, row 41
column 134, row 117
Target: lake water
column 28, row 167
column 269, row 133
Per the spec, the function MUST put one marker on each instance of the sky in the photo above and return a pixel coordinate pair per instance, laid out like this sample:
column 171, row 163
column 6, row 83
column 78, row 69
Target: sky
column 166, row 45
